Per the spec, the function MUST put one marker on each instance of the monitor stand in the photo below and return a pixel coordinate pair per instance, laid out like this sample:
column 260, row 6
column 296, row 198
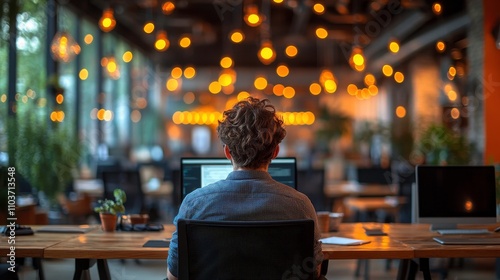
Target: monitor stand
column 435, row 227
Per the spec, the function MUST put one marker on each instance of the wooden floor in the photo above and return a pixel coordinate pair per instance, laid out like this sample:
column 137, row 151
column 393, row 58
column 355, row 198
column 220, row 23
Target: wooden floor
column 473, row 269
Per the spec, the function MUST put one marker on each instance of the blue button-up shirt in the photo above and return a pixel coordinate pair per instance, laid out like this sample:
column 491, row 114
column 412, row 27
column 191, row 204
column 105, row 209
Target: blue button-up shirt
column 245, row 195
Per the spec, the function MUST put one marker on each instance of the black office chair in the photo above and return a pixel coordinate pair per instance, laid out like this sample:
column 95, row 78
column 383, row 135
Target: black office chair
column 246, row 249
column 130, row 182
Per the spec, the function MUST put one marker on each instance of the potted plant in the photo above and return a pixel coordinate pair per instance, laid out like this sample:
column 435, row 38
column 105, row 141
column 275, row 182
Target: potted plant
column 108, row 209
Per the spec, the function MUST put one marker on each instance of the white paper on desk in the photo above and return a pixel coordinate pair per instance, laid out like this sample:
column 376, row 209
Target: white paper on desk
column 335, row 240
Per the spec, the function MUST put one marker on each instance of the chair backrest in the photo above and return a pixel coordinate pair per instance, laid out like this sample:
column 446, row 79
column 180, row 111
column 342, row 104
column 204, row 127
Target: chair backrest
column 130, row 182
column 246, row 249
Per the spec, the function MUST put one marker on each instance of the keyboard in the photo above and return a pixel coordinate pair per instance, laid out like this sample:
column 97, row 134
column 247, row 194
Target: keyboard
column 463, row 231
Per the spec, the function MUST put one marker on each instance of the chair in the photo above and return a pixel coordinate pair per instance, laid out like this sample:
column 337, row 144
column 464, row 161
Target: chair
column 311, row 182
column 130, row 182
column 246, row 249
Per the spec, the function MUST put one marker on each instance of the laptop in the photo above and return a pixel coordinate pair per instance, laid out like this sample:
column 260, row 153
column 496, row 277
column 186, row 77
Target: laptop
column 467, row 240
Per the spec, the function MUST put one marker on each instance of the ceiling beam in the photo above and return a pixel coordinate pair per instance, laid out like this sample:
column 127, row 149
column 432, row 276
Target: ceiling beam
column 430, row 36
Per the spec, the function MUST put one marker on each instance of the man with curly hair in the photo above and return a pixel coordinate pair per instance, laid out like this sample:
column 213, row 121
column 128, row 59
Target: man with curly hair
column 250, row 133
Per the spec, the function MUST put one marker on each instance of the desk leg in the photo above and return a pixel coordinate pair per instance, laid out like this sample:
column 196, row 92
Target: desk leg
column 82, row 267
column 102, row 267
column 425, row 268
column 407, row 269
column 37, row 264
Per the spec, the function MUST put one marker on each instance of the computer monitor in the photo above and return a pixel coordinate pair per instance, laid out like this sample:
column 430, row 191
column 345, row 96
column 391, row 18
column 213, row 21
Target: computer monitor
column 445, row 196
column 199, row 172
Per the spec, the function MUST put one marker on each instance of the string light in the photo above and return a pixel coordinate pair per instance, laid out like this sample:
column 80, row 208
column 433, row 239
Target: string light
column 107, row 21
column 162, row 43
column 64, row 48
column 266, row 53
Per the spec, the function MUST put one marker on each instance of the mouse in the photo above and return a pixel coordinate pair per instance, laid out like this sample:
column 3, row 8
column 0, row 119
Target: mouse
column 497, row 229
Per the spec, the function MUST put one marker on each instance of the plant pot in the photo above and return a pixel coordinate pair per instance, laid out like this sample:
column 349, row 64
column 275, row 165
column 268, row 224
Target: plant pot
column 108, row 222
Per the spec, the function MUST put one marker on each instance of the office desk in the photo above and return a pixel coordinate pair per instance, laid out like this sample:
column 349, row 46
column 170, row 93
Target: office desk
column 336, row 191
column 362, row 206
column 33, row 246
column 404, row 241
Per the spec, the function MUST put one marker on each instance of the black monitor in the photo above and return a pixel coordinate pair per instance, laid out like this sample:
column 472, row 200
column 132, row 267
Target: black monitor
column 449, row 195
column 199, row 172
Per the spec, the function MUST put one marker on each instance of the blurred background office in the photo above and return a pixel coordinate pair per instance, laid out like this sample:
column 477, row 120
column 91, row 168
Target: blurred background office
column 89, row 87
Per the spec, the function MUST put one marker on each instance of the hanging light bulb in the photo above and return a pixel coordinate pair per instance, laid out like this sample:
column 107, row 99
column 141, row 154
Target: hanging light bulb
column 162, row 43
column 107, row 21
column 357, row 59
column 64, row 48
column 252, row 16
column 266, row 53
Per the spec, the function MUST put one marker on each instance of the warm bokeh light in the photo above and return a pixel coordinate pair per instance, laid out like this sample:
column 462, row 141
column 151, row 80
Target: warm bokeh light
column 149, row 27
column 189, row 72
column 352, row 89
column 452, row 95
column 162, row 43
column 172, row 84
column 330, row 86
column 297, row 118
column 399, row 77
column 291, row 51
column 288, row 92
column 176, row 72
column 387, row 70
column 252, row 17
column 440, row 46
column 243, row 95
column 225, row 79
column 168, row 7
column 107, row 21
column 282, row 70
column 400, row 112
column 127, row 56
column 319, row 9
column 455, row 113
column 3, row 98
column 394, row 46
column 59, row 98
column 321, row 33
column 437, row 9
column 88, row 39
column 260, row 83
column 373, row 89
column 196, row 117
column 185, row 41
column 83, row 74
column 369, row 79
column 226, row 62
column 237, row 36
column 278, row 89
column 214, row 87
column 452, row 71
column 357, row 59
column 315, row 88
column 266, row 54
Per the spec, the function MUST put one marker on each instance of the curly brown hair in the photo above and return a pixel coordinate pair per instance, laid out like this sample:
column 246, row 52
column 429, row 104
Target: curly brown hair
column 251, row 130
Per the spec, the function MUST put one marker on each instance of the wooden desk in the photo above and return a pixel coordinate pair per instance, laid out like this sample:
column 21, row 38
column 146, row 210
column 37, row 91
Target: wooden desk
column 336, row 191
column 362, row 206
column 111, row 245
column 403, row 241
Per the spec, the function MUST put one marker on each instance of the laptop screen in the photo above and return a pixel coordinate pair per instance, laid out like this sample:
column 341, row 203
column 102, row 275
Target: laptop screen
column 200, row 172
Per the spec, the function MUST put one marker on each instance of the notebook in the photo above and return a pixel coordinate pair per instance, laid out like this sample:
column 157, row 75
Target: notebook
column 467, row 240
column 335, row 240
